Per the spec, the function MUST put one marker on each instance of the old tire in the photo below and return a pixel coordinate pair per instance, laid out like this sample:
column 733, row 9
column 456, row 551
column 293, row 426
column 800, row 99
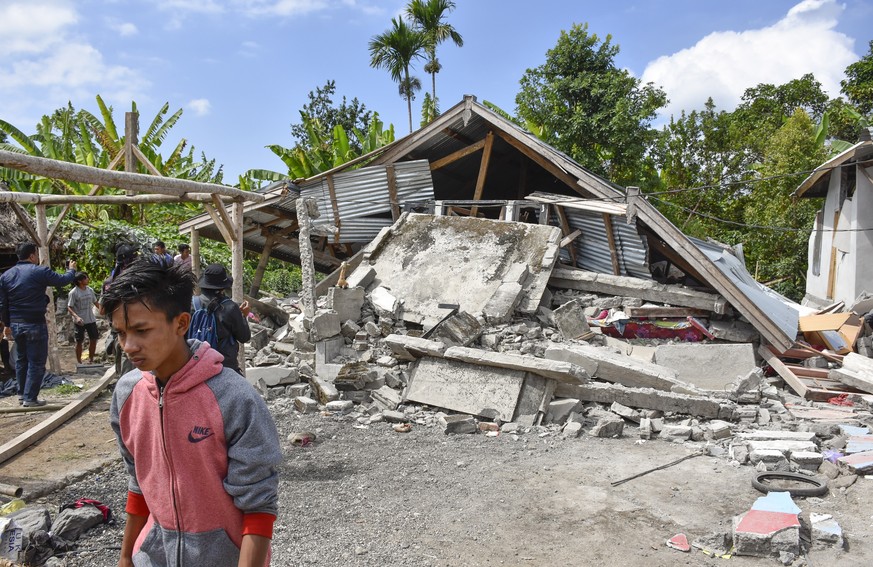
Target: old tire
column 814, row 485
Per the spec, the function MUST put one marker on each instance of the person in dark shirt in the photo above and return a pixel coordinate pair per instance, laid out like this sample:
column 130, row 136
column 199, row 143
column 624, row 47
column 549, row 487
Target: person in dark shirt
column 23, row 303
column 233, row 328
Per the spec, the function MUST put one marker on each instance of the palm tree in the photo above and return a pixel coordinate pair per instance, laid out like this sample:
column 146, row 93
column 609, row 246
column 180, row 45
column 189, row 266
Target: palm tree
column 395, row 50
column 428, row 16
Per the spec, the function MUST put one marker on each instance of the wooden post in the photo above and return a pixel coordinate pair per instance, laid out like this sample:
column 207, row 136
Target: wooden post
column 306, row 210
column 613, row 249
column 195, row 252
column 262, row 266
column 483, row 172
column 237, row 267
column 54, row 362
column 392, row 191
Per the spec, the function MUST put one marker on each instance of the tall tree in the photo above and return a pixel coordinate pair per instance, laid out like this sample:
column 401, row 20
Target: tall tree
column 322, row 110
column 858, row 84
column 395, row 50
column 596, row 112
column 429, row 17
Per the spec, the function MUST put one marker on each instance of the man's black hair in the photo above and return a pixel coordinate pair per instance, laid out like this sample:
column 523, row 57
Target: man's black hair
column 157, row 286
column 24, row 250
column 184, row 246
column 79, row 277
column 161, row 244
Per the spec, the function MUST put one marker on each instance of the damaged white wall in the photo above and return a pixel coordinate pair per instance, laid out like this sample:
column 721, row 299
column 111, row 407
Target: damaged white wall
column 852, row 242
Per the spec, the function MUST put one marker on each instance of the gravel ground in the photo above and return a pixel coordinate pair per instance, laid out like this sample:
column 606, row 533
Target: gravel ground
column 369, row 496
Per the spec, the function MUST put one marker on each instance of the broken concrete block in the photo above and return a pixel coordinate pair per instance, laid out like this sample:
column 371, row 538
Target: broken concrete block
column 458, row 424
column 717, row 544
column 648, row 398
column 625, row 412
column 386, row 397
column 571, row 429
column 349, row 329
column 305, row 405
column 676, row 433
column 273, row 375
column 608, row 427
column 859, row 463
column 500, row 307
column 770, row 457
column 325, row 324
column 384, row 302
column 645, row 428
column 340, row 406
column 362, row 276
column 784, row 447
column 372, row 329
column 859, row 444
column 328, row 349
column 616, row 368
column 411, row 348
column 734, row 331
column 460, row 329
column 260, row 339
column 739, row 452
column 468, row 388
column 826, row 532
column 346, row 302
column 829, row 469
column 353, row 376
column 807, row 460
column 559, row 410
column 296, row 390
column 707, row 366
column 762, row 435
column 770, row 527
column 717, row 429
column 557, row 370
column 570, row 320
column 324, row 391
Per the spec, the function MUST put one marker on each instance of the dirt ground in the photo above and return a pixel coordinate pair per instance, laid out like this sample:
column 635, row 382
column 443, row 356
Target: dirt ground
column 366, row 495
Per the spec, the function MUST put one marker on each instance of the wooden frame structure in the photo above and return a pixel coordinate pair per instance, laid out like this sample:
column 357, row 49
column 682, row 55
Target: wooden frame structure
column 144, row 189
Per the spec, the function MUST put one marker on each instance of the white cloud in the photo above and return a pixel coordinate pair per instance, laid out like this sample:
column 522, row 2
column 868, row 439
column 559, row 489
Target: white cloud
column 32, row 26
column 192, row 6
column 200, row 106
column 280, row 7
column 124, row 29
column 46, row 62
column 724, row 64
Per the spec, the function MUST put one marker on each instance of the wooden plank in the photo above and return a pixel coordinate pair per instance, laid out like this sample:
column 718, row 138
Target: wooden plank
column 483, row 172
column 570, row 238
column 657, row 311
column 262, row 267
column 392, row 191
column 832, row 273
column 225, row 218
column 145, row 161
column 455, row 156
column 613, row 250
column 797, row 385
column 34, row 434
column 219, row 224
column 811, row 372
column 237, row 268
column 565, row 230
column 25, row 222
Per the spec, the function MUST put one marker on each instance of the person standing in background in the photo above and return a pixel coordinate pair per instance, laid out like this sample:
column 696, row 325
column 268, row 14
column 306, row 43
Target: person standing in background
column 80, row 304
column 161, row 253
column 184, row 256
column 23, row 302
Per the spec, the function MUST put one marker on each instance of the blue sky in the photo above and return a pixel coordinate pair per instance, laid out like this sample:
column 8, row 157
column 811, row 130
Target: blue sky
column 241, row 69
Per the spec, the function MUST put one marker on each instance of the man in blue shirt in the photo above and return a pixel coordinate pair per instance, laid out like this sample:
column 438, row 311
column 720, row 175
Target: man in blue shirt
column 23, row 303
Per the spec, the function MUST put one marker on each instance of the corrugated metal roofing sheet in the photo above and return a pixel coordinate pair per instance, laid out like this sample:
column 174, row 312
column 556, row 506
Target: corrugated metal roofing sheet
column 592, row 246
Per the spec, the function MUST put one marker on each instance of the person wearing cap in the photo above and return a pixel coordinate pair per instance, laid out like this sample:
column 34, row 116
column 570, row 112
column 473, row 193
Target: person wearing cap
column 23, row 302
column 233, row 328
column 184, row 256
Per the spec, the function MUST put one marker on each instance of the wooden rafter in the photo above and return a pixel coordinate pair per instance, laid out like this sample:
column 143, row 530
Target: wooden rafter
column 613, row 249
column 483, row 172
column 455, row 156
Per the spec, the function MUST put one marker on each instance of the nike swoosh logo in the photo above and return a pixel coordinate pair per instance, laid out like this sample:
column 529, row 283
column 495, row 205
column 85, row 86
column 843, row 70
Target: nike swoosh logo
column 193, row 439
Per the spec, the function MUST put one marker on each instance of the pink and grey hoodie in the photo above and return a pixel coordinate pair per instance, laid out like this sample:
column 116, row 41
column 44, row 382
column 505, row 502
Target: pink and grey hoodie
column 202, row 455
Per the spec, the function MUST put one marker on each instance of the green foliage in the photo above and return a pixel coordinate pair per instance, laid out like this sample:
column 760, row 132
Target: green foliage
column 281, row 279
column 395, row 50
column 781, row 255
column 323, row 113
column 595, row 112
column 858, row 84
column 65, row 390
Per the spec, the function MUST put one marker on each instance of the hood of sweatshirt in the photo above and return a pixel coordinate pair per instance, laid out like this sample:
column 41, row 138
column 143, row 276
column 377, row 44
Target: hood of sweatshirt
column 205, row 362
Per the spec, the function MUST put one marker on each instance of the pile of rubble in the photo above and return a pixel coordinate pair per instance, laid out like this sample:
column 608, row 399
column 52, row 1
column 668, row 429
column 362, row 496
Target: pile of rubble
column 414, row 339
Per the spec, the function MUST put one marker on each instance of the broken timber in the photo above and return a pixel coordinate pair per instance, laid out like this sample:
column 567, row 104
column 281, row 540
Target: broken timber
column 34, row 434
column 646, row 290
column 808, row 384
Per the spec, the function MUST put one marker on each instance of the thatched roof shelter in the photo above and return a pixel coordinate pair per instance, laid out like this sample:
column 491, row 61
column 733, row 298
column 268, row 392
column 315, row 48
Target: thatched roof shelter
column 12, row 229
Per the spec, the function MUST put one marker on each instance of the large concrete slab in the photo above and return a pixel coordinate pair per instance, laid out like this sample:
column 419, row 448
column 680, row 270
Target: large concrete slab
column 603, row 364
column 554, row 369
column 707, row 366
column 426, row 260
column 648, row 398
column 466, row 388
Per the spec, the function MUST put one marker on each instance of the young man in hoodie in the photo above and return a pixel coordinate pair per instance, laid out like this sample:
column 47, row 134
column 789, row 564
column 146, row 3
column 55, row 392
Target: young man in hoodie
column 199, row 444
